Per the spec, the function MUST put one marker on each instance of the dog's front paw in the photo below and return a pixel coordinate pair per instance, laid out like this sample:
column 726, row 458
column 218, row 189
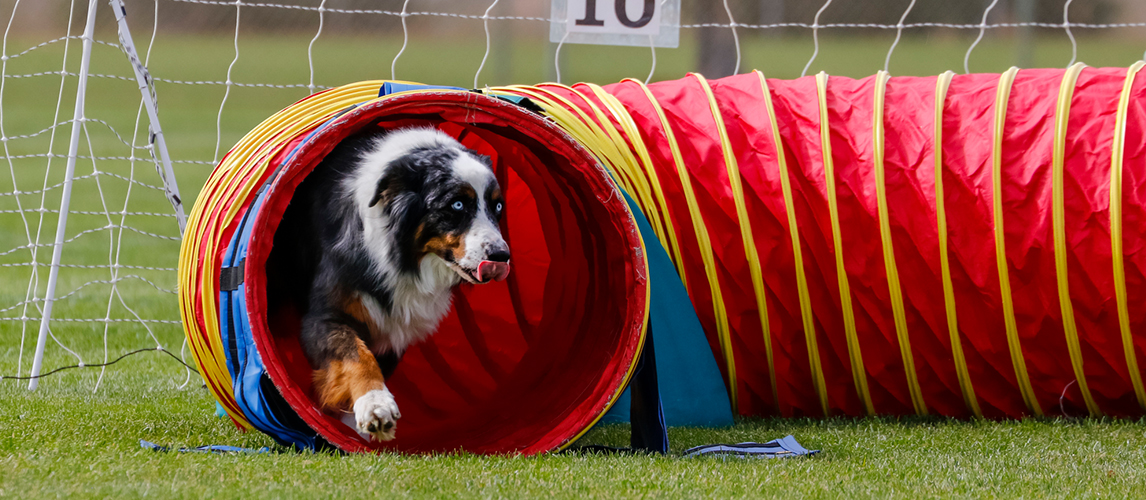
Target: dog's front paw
column 376, row 415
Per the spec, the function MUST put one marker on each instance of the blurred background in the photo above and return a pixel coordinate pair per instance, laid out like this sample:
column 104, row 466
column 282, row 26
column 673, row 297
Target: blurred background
column 770, row 38
column 274, row 53
column 278, row 43
column 221, row 67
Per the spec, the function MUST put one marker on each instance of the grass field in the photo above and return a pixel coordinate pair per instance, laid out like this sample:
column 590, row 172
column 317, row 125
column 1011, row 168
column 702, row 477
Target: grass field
column 65, row 440
column 68, row 442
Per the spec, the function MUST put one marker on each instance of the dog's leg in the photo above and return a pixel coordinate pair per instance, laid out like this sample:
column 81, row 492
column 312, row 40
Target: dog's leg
column 353, row 377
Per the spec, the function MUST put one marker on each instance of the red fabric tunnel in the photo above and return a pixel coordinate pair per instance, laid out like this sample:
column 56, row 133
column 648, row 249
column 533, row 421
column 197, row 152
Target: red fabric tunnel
column 525, row 365
column 950, row 245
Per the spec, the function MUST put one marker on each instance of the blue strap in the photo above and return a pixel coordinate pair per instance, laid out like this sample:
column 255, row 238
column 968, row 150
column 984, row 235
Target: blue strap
column 392, row 87
column 777, row 448
column 213, row 448
column 647, row 417
column 516, row 99
column 254, row 392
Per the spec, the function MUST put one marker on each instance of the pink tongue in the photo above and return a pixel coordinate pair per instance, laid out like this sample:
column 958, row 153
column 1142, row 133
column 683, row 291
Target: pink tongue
column 489, row 270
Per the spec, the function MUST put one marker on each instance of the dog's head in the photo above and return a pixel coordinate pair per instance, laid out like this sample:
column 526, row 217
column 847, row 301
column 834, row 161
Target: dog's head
column 423, row 196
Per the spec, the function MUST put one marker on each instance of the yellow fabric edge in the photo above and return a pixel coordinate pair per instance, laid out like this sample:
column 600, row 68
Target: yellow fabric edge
column 209, row 289
column 1116, row 166
column 733, row 168
column 593, row 137
column 206, row 347
column 577, row 126
column 205, row 343
column 702, row 240
column 859, row 373
column 892, row 271
column 642, row 151
column 581, row 126
column 806, row 315
column 576, row 123
column 1002, row 94
column 1058, row 219
column 642, row 168
column 644, row 332
column 968, row 389
column 629, row 162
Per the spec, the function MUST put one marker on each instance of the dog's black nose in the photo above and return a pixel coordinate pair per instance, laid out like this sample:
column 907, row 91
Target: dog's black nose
column 498, row 256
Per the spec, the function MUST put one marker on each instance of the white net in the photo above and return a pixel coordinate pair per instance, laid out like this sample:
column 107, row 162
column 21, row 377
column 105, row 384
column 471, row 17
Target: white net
column 220, row 67
column 115, row 283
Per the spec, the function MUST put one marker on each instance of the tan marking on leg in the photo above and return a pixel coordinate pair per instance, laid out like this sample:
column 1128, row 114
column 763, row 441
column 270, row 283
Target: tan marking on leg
column 341, row 383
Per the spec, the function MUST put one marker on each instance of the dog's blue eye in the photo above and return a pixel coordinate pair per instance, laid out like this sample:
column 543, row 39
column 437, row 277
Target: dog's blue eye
column 459, row 206
column 498, row 207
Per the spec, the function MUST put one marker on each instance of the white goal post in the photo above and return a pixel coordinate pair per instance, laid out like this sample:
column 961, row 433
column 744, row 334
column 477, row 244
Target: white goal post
column 158, row 147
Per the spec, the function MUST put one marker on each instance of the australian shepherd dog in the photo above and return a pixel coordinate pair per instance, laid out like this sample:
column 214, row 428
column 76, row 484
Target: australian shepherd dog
column 369, row 250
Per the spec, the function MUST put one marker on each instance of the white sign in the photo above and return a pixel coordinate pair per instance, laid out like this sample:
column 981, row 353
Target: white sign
column 623, row 17
column 616, row 22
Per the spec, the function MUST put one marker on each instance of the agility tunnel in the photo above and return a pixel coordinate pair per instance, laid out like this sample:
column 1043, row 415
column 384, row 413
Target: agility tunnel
column 960, row 245
column 579, row 295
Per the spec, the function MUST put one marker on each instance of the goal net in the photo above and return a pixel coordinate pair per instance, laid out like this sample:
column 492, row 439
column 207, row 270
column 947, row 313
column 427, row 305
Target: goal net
column 80, row 142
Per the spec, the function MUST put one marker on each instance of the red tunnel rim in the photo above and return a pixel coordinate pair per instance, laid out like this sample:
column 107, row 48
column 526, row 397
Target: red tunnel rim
column 515, row 117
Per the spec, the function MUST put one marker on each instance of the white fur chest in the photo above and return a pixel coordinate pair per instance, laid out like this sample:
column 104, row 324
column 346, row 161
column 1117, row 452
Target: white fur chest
column 419, row 303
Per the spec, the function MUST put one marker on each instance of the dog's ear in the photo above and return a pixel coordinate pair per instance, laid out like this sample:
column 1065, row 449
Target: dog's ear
column 401, row 175
column 404, row 211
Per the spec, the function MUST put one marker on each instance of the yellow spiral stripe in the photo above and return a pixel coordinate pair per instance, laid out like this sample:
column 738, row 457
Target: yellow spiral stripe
column 586, row 130
column 1002, row 94
column 604, row 126
column 1116, row 165
column 897, row 308
column 806, row 315
column 854, row 354
column 941, row 86
column 703, row 243
column 750, row 254
column 669, row 239
column 630, row 163
column 249, row 159
column 1058, row 216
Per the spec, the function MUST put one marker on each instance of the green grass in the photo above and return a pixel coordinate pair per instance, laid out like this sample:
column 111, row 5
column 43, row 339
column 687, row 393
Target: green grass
column 66, row 440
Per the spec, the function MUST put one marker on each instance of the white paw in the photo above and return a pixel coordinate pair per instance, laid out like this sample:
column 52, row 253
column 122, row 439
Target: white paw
column 376, row 415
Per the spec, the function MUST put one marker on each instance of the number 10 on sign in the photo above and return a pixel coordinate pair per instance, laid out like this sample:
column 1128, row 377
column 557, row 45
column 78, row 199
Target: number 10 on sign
column 616, row 22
